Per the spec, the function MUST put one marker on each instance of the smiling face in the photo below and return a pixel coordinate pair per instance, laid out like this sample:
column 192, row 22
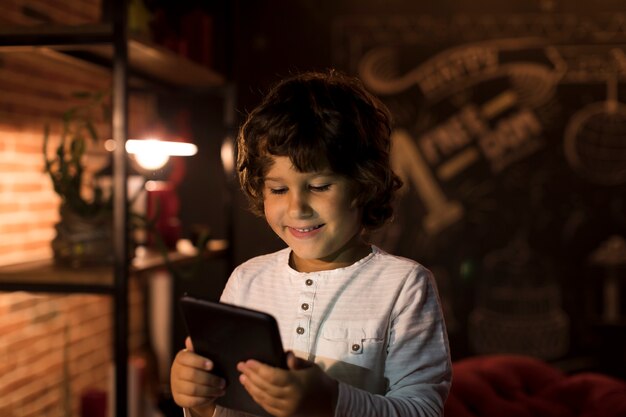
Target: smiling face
column 315, row 214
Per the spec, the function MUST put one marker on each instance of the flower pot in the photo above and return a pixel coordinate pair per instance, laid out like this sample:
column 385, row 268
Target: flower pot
column 83, row 241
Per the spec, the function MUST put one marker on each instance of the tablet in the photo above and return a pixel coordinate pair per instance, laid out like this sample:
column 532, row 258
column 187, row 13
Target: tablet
column 228, row 334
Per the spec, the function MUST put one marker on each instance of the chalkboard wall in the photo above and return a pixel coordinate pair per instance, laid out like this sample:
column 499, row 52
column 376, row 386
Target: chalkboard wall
column 510, row 137
column 511, row 140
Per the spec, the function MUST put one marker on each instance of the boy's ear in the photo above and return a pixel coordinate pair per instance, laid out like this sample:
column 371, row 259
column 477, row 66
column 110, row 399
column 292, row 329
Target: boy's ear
column 356, row 196
column 354, row 203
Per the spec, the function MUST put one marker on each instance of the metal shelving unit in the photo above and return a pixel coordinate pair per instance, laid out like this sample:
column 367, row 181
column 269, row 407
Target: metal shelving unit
column 129, row 59
column 44, row 276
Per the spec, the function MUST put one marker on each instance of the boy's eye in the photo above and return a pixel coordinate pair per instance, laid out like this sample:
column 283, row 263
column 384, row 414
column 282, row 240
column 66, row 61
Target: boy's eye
column 324, row 187
column 278, row 190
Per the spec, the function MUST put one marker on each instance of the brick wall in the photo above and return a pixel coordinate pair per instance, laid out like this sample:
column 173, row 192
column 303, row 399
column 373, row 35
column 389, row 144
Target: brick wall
column 52, row 347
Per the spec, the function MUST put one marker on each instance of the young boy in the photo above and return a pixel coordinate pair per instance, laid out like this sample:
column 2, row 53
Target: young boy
column 363, row 328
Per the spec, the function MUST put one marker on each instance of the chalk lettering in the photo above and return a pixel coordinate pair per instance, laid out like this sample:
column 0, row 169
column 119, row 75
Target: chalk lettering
column 455, row 66
column 452, row 135
column 510, row 135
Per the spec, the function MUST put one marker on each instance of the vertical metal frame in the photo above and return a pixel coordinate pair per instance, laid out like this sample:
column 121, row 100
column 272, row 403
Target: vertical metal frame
column 229, row 95
column 120, row 206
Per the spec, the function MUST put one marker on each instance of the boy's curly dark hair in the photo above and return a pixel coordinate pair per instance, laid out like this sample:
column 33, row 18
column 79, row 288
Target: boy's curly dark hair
column 321, row 120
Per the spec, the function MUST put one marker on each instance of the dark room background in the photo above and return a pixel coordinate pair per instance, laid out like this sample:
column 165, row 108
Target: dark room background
column 509, row 135
column 510, row 129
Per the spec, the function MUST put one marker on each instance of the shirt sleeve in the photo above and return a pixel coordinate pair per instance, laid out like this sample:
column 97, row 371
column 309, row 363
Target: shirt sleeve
column 230, row 289
column 417, row 368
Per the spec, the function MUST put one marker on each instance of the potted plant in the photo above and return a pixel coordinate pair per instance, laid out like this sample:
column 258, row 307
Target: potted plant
column 84, row 231
column 85, row 228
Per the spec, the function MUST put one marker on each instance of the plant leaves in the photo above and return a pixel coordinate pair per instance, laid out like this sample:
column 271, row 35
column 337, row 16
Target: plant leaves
column 66, row 167
column 69, row 115
column 92, row 130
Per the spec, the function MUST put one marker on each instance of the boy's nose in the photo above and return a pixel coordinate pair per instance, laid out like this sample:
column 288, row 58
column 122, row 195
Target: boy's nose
column 299, row 206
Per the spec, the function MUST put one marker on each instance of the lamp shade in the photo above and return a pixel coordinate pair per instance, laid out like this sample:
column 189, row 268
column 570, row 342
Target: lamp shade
column 152, row 154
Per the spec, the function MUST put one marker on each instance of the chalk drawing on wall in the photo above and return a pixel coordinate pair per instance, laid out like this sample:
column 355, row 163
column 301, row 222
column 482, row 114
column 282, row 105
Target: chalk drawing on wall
column 499, row 128
column 595, row 136
column 477, row 95
column 411, row 168
column 508, row 134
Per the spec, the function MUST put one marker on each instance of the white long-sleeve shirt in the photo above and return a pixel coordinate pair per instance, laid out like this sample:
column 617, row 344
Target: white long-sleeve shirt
column 376, row 326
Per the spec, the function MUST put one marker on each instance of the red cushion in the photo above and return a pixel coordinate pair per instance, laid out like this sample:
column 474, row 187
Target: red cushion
column 521, row 386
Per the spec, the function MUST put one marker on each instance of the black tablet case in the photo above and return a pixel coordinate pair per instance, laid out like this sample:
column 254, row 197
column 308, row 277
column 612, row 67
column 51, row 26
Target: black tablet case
column 228, row 334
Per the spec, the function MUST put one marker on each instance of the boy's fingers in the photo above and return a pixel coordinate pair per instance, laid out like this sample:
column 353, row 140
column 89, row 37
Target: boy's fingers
column 188, row 344
column 200, row 391
column 189, row 401
column 295, row 363
column 272, row 381
column 187, row 358
column 200, row 377
column 275, row 405
column 260, row 394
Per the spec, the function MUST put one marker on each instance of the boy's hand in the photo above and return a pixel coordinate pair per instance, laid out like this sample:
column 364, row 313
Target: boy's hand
column 302, row 390
column 193, row 385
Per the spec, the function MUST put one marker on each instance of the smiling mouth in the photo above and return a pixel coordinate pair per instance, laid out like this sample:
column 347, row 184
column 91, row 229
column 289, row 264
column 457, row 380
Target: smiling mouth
column 307, row 229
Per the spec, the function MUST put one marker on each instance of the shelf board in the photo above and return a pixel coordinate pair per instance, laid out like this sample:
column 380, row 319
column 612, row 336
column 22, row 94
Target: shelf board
column 45, row 276
column 216, row 248
column 54, row 35
column 153, row 62
column 94, row 42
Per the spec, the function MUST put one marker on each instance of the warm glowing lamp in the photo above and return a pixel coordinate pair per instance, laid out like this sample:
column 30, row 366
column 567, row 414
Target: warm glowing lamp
column 152, row 154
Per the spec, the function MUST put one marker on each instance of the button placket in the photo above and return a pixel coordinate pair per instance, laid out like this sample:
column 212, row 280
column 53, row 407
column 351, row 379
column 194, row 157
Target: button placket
column 305, row 306
column 304, row 311
column 306, row 298
column 305, row 301
column 301, row 335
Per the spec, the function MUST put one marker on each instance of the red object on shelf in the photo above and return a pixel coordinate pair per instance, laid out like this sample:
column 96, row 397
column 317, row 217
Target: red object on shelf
column 93, row 403
column 192, row 37
column 197, row 35
column 164, row 204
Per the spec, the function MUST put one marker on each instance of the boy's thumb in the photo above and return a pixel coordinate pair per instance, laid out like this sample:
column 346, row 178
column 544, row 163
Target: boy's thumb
column 188, row 344
column 295, row 363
